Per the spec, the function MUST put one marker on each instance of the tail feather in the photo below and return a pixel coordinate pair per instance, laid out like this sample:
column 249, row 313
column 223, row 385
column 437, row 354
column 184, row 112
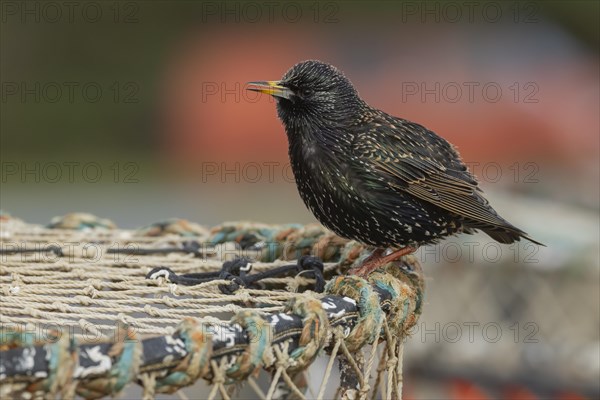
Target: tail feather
column 508, row 236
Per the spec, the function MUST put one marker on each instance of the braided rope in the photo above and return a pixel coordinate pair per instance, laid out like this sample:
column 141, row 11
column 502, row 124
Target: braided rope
column 157, row 345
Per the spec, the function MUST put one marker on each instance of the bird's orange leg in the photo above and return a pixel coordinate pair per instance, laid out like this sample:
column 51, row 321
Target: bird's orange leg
column 376, row 260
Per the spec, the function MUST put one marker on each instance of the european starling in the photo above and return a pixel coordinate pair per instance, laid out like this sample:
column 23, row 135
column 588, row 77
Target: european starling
column 372, row 177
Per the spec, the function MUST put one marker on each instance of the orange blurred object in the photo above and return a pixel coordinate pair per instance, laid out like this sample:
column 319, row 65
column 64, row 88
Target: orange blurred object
column 519, row 393
column 461, row 389
column 571, row 396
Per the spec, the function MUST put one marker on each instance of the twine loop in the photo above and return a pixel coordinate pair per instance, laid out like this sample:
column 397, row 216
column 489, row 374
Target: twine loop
column 367, row 300
column 195, row 365
column 314, row 333
column 126, row 357
column 258, row 352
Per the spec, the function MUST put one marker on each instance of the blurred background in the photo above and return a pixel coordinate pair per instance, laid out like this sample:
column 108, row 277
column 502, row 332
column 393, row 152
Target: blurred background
column 136, row 111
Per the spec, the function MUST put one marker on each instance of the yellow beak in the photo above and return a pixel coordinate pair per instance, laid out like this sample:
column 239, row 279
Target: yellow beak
column 274, row 88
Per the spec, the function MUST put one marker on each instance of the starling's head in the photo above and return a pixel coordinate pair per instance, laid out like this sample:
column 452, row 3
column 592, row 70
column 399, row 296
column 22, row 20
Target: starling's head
column 312, row 91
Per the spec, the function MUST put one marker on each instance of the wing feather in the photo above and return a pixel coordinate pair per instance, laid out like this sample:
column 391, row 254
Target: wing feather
column 415, row 160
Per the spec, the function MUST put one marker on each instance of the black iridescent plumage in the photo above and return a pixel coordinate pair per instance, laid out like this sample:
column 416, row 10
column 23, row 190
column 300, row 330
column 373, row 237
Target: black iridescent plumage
column 373, row 177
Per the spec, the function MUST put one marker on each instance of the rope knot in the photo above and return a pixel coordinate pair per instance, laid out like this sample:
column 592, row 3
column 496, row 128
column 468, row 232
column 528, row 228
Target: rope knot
column 391, row 362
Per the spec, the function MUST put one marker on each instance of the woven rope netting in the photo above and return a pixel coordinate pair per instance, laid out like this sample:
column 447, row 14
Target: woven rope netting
column 88, row 309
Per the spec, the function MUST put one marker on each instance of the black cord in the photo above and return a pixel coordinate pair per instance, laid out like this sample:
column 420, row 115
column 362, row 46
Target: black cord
column 238, row 273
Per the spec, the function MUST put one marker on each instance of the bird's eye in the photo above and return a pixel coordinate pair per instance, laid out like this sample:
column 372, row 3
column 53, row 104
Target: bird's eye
column 306, row 92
